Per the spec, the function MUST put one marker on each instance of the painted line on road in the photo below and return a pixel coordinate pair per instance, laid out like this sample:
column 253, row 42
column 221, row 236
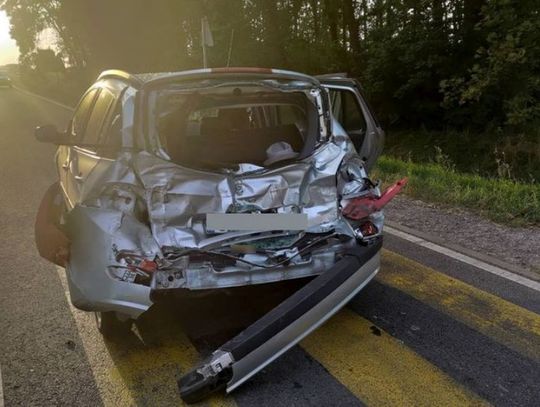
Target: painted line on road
column 379, row 369
column 54, row 102
column 516, row 278
column 1, row 389
column 514, row 326
column 138, row 368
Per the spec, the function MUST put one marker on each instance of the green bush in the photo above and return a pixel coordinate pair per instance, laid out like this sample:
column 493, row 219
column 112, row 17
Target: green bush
column 502, row 200
column 493, row 154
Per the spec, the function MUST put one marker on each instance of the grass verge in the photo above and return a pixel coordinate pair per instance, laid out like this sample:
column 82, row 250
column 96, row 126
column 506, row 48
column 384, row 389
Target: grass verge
column 501, row 200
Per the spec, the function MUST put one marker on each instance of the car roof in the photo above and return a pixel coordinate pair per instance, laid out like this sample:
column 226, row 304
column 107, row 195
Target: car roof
column 148, row 79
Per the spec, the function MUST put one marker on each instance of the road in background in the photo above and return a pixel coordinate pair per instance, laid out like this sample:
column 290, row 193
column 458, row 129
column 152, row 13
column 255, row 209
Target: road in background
column 430, row 330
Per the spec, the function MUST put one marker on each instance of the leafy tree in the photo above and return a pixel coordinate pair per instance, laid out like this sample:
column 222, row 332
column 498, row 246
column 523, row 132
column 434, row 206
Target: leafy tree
column 436, row 64
column 502, row 87
column 46, row 61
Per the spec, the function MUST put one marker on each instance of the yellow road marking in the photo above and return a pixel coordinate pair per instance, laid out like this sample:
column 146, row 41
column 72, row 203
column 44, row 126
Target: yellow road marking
column 507, row 323
column 139, row 369
column 380, row 370
column 463, row 258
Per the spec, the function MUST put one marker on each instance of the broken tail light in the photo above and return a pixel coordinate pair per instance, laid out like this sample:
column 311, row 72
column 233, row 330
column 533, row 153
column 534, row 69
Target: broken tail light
column 148, row 266
column 368, row 229
column 362, row 207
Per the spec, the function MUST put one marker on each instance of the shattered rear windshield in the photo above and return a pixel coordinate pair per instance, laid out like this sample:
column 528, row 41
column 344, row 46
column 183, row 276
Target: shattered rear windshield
column 223, row 126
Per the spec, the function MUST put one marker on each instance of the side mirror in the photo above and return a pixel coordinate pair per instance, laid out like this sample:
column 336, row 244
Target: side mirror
column 50, row 134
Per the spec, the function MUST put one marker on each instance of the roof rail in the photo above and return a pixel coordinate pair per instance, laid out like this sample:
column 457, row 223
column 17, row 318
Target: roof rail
column 122, row 75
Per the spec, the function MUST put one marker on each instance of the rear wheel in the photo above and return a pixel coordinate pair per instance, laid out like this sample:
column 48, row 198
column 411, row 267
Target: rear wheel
column 110, row 326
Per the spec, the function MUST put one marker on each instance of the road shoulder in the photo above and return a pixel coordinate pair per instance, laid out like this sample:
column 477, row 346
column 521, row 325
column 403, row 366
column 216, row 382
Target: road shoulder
column 512, row 248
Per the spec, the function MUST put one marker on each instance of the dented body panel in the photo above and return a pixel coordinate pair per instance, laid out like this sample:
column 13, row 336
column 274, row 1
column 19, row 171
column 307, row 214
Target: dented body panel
column 93, row 284
column 177, row 200
column 144, row 212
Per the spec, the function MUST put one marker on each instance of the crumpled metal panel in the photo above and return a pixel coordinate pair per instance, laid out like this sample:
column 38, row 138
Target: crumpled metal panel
column 106, row 174
column 142, row 202
column 179, row 198
column 91, row 285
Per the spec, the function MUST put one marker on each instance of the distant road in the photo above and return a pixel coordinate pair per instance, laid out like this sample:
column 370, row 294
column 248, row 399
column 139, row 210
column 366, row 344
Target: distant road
column 430, row 330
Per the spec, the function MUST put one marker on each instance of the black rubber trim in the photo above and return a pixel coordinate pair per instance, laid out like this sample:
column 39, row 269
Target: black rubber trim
column 300, row 302
column 194, row 387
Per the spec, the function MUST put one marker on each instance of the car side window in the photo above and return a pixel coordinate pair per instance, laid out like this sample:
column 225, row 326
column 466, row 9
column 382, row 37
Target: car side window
column 80, row 117
column 94, row 127
column 348, row 112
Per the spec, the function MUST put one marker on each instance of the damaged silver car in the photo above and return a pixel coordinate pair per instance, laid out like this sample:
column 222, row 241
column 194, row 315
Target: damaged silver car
column 217, row 178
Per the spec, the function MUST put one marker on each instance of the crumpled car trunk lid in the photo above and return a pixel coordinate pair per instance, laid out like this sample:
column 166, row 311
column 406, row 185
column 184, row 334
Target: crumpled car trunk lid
column 179, row 199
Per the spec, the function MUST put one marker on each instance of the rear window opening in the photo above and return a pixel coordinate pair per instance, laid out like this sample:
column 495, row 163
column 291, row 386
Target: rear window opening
column 229, row 125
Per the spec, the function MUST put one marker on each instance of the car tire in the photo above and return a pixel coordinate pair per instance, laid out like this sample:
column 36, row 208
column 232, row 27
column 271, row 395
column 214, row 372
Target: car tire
column 110, row 326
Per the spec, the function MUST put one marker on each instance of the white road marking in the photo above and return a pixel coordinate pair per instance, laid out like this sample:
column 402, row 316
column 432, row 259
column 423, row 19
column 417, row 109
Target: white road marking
column 1, row 390
column 97, row 354
column 516, row 278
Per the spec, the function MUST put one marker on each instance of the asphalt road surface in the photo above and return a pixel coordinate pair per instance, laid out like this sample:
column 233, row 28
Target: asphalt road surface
column 430, row 330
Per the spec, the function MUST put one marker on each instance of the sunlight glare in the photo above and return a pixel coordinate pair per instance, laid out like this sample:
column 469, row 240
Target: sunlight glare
column 9, row 52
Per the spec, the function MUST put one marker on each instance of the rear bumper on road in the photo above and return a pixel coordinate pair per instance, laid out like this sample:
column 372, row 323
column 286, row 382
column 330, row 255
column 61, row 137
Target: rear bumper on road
column 283, row 327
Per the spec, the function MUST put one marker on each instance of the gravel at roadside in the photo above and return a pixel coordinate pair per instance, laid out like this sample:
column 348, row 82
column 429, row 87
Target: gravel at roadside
column 518, row 246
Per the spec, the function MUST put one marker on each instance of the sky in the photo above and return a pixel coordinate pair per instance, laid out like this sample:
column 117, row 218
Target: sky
column 9, row 52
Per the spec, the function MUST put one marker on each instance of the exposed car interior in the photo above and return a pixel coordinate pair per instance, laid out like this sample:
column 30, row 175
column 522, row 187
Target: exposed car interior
column 225, row 129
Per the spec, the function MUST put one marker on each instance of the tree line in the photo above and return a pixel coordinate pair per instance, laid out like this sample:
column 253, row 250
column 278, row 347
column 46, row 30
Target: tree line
column 433, row 64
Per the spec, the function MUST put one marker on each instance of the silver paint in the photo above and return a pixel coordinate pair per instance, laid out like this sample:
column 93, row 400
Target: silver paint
column 111, row 215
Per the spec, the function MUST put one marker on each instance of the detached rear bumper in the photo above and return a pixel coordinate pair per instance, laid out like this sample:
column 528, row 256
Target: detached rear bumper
column 283, row 327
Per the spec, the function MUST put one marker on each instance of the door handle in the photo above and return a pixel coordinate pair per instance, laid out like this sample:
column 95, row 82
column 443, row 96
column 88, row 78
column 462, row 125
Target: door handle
column 78, row 177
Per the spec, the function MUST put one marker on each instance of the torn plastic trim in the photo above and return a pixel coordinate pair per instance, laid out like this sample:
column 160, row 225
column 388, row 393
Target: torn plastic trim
column 284, row 326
